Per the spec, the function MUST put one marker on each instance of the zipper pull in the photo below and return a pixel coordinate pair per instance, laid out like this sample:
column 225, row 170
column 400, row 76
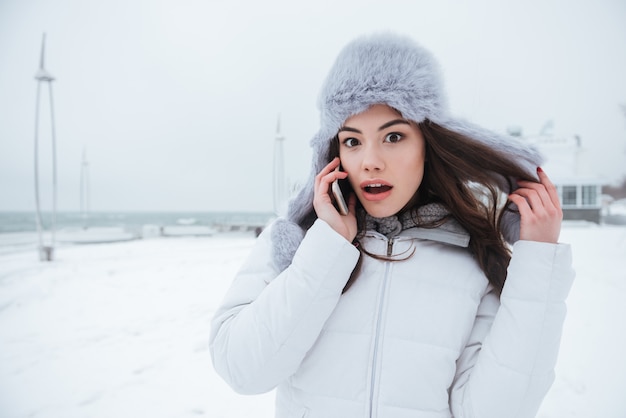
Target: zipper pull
column 390, row 247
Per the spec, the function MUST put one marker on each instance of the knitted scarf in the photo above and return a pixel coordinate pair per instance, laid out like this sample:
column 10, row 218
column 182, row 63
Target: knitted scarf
column 391, row 226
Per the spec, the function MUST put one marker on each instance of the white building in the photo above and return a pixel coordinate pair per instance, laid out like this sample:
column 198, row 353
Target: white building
column 567, row 165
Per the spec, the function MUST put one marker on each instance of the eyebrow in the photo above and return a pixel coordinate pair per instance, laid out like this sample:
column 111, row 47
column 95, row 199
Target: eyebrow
column 394, row 122
column 384, row 126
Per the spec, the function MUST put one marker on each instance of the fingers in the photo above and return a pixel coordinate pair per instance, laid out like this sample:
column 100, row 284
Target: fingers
column 522, row 205
column 540, row 196
column 539, row 208
column 322, row 203
column 550, row 187
column 325, row 177
column 323, row 181
column 535, row 195
column 329, row 167
column 329, row 173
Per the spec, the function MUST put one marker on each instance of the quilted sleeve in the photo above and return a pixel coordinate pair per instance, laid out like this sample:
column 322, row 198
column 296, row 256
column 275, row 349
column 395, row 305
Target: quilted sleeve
column 508, row 364
column 268, row 321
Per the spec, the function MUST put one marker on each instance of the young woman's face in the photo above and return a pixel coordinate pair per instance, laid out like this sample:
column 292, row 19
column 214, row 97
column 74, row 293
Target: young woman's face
column 383, row 155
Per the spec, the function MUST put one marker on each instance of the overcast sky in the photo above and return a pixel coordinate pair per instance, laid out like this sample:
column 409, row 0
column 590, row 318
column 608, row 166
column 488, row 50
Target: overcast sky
column 176, row 102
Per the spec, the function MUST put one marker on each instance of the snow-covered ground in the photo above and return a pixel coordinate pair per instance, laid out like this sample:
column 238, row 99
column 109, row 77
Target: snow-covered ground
column 121, row 330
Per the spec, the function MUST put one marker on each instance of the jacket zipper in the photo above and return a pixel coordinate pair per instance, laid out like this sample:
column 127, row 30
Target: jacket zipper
column 389, row 247
column 379, row 320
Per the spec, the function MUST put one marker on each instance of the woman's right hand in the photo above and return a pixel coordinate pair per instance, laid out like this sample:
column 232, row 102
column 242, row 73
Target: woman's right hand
column 345, row 225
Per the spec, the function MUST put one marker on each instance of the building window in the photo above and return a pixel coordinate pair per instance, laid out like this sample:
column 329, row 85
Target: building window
column 590, row 195
column 569, row 195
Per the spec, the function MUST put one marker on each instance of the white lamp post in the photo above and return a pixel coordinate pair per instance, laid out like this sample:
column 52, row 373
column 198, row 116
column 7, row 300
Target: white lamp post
column 46, row 251
column 279, row 191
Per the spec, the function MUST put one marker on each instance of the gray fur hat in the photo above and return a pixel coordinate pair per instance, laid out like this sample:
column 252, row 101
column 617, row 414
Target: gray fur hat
column 393, row 70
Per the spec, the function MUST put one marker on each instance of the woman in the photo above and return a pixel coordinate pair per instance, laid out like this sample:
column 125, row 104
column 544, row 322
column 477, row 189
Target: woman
column 411, row 305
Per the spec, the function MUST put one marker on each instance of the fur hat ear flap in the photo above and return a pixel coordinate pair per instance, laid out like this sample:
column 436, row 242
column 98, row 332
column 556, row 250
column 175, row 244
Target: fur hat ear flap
column 288, row 232
column 286, row 238
column 511, row 224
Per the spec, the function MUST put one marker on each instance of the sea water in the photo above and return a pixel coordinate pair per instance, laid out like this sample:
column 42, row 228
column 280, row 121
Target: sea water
column 18, row 230
column 12, row 222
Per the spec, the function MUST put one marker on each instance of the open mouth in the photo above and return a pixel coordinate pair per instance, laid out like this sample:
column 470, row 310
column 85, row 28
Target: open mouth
column 376, row 188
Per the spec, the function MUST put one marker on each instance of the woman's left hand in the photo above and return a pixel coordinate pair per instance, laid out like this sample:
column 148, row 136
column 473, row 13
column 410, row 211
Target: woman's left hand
column 539, row 208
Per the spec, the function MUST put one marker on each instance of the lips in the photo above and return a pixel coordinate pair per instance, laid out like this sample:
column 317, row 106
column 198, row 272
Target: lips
column 377, row 188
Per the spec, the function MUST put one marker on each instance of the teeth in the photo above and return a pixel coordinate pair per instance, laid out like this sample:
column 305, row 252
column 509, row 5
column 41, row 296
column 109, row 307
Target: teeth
column 375, row 185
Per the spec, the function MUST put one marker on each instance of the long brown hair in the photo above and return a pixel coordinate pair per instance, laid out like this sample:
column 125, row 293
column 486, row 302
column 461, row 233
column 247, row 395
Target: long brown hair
column 471, row 180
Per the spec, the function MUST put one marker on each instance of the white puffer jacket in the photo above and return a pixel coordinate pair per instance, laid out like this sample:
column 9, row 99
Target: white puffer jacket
column 423, row 337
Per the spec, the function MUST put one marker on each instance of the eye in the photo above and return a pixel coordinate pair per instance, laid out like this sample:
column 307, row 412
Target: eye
column 393, row 137
column 351, row 142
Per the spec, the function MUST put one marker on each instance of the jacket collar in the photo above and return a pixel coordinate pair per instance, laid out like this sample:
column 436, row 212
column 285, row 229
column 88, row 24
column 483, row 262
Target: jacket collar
column 408, row 225
column 444, row 233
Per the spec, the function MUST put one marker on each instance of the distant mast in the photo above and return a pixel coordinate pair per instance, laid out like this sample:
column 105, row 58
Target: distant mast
column 46, row 252
column 279, row 189
column 623, row 107
column 84, row 189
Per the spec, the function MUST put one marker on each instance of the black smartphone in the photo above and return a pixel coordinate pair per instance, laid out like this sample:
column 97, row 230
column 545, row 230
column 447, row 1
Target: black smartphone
column 340, row 201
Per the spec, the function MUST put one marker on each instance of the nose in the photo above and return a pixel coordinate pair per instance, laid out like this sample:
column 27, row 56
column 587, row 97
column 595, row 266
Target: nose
column 372, row 159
